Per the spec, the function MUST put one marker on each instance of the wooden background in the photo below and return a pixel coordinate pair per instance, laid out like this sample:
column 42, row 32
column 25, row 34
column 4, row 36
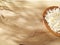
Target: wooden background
column 37, row 33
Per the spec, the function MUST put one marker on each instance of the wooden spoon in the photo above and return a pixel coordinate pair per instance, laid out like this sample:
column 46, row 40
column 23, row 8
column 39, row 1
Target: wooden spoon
column 46, row 23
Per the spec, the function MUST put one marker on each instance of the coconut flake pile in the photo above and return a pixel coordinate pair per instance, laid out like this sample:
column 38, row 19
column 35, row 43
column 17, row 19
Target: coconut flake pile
column 53, row 19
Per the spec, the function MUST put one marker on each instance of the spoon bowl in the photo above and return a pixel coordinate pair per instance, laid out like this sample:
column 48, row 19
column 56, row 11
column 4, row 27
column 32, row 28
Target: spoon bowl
column 46, row 23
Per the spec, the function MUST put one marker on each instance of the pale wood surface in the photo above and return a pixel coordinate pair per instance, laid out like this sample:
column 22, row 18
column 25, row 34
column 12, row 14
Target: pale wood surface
column 33, row 32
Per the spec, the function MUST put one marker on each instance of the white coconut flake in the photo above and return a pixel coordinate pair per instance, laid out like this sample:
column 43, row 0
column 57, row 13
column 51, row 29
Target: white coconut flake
column 53, row 19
